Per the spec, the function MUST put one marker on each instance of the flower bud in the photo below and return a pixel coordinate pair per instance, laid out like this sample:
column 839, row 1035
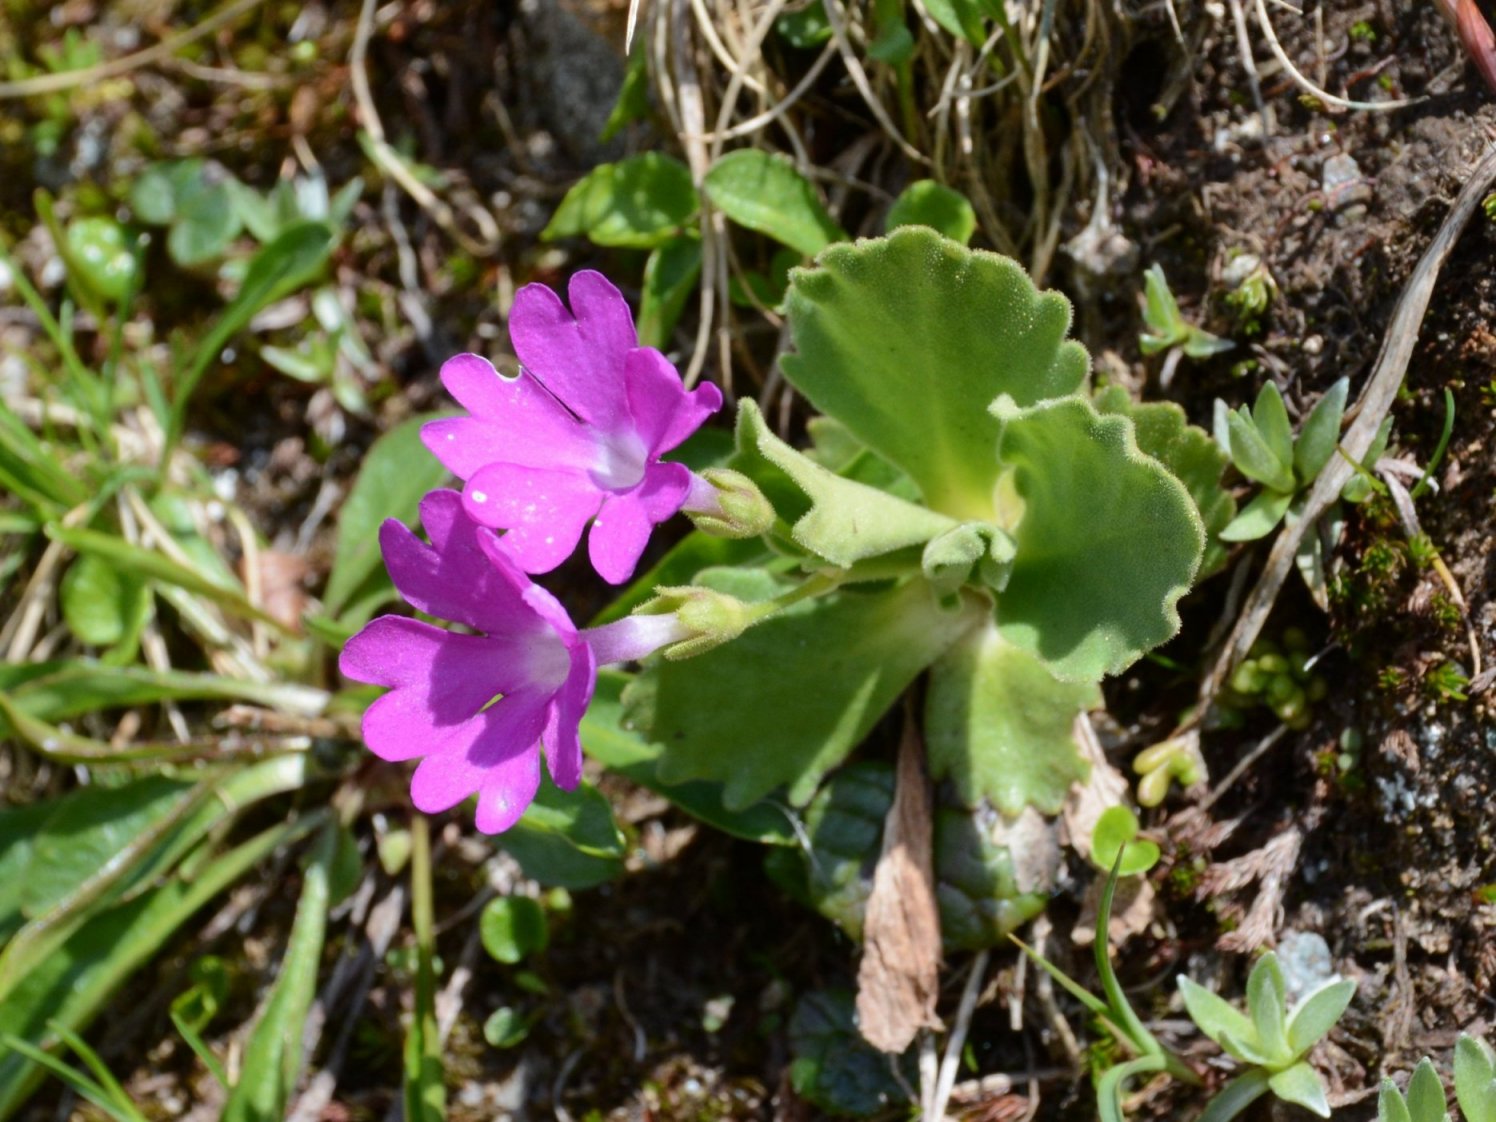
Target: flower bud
column 729, row 505
column 710, row 618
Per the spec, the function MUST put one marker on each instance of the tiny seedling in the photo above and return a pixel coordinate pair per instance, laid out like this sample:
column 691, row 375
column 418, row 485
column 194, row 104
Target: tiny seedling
column 1270, row 1038
column 1167, row 329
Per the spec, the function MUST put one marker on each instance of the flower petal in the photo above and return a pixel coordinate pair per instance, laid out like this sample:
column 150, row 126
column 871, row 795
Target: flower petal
column 453, row 578
column 515, row 422
column 623, row 525
column 441, row 679
column 507, row 792
column 562, row 736
column 578, row 358
column 463, row 762
column 543, row 511
column 664, row 412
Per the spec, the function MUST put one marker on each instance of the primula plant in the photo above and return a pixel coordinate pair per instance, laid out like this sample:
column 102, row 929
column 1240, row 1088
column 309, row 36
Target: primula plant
column 963, row 511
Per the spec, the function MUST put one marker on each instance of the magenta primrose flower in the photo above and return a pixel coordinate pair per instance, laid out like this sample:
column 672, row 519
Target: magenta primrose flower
column 577, row 437
column 476, row 709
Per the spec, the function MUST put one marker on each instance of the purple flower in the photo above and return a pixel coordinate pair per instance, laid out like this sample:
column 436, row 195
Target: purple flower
column 577, row 437
column 476, row 707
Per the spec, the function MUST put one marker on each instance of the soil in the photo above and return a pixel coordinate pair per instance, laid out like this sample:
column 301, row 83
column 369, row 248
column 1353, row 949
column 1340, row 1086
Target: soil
column 667, row 994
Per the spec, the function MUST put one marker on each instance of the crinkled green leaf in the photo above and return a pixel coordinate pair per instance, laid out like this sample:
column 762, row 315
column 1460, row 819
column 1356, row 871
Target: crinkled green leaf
column 637, row 203
column 764, row 192
column 843, row 829
column 847, row 521
column 1107, row 540
column 788, row 700
column 833, row 1067
column 396, row 473
column 919, row 397
column 1317, row 1013
column 998, row 723
column 927, row 203
column 1301, row 1085
column 1475, row 1079
column 970, row 551
column 976, row 886
column 620, row 748
column 1258, row 517
column 976, row 882
column 1164, row 432
column 1320, row 433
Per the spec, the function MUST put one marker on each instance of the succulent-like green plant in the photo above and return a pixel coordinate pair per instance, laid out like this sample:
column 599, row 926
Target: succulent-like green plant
column 1263, row 448
column 1272, row 1039
column 1474, row 1088
column 1166, row 325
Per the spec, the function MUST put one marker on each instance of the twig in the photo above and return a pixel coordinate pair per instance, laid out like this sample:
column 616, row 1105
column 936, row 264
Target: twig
column 951, row 1063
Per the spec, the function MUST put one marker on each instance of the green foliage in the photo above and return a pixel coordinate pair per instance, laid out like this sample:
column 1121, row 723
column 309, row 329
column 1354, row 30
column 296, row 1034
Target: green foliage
column 513, row 928
column 793, row 695
column 1279, row 678
column 1475, row 1079
column 998, row 723
column 1166, row 326
column 928, row 203
column 273, row 1055
column 567, row 838
column 639, row 203
column 764, row 192
column 1107, row 542
column 1272, row 1039
column 1159, row 765
column 1189, row 453
column 670, row 277
column 920, row 398
column 397, row 472
column 833, row 1067
column 976, row 883
column 1115, row 844
column 195, row 201
column 1263, row 448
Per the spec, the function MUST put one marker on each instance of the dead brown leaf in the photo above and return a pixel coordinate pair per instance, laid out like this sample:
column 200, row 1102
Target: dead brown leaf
column 899, row 977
